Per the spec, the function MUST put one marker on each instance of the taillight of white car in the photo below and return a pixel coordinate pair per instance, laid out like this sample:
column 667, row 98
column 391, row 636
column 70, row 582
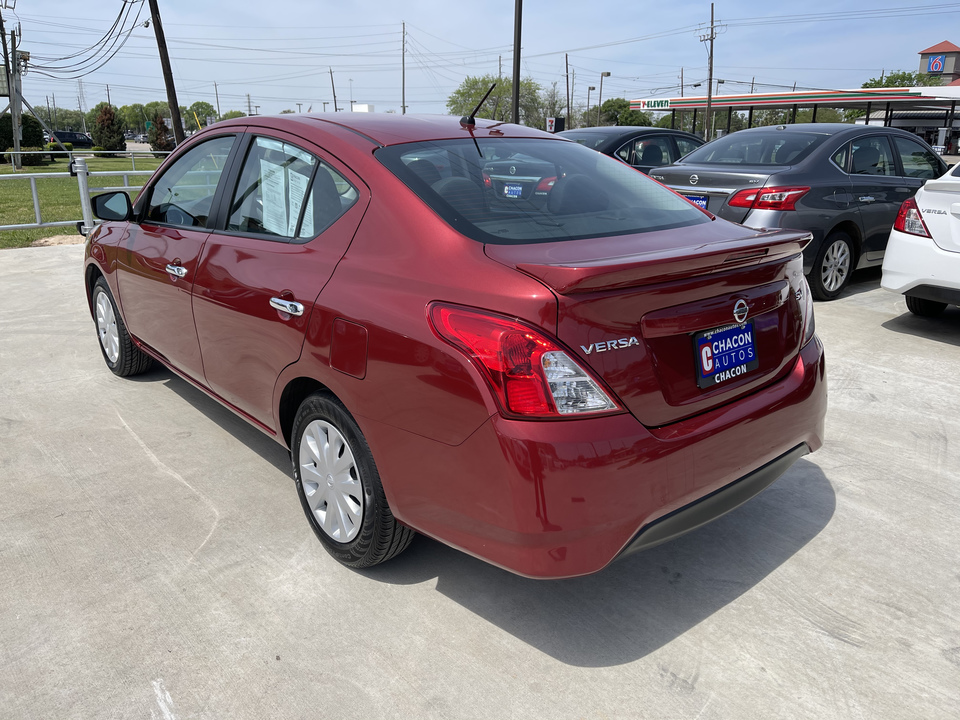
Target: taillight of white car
column 910, row 221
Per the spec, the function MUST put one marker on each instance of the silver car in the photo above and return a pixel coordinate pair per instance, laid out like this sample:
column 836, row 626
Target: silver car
column 842, row 183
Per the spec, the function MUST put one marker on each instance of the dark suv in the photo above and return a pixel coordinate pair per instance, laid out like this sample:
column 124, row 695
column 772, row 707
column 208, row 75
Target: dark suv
column 843, row 183
column 78, row 140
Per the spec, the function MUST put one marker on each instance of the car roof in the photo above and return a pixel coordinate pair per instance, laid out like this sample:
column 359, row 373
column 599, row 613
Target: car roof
column 390, row 128
column 820, row 128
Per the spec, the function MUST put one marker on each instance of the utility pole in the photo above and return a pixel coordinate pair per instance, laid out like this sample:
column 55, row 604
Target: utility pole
column 56, row 121
column 167, row 73
column 216, row 93
column 299, row 107
column 325, row 103
column 566, row 59
column 108, row 96
column 249, row 106
column 334, row 88
column 516, row 62
column 403, row 71
column 15, row 97
column 752, row 81
column 709, row 37
column 600, row 94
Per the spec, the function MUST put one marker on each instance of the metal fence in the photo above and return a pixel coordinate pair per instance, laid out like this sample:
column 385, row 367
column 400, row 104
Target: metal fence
column 78, row 169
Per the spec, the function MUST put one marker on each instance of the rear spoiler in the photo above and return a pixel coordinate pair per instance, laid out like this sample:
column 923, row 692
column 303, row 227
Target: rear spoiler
column 664, row 265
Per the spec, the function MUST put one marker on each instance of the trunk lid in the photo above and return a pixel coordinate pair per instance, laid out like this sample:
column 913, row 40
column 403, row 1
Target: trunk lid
column 939, row 204
column 634, row 308
column 715, row 183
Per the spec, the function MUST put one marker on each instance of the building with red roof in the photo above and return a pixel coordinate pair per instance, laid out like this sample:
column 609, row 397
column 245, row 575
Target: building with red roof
column 943, row 59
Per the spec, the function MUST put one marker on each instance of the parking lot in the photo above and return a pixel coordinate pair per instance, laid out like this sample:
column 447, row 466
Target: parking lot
column 155, row 562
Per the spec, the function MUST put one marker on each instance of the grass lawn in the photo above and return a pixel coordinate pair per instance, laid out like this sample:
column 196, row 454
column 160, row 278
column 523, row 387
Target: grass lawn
column 59, row 197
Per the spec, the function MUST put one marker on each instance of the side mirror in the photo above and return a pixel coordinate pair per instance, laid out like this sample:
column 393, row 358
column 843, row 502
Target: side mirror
column 114, row 206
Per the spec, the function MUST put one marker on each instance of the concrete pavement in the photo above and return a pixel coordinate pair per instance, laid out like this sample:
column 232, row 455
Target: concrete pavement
column 155, row 562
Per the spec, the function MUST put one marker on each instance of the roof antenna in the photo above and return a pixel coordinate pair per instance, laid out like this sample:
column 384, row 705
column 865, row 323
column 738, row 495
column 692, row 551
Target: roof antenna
column 470, row 120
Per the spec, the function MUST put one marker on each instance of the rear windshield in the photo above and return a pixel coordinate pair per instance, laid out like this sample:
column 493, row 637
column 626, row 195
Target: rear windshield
column 776, row 147
column 592, row 140
column 515, row 191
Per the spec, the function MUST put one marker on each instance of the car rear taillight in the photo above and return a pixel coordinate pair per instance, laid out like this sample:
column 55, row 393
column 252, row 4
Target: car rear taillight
column 771, row 198
column 530, row 374
column 909, row 220
column 546, row 185
column 487, row 182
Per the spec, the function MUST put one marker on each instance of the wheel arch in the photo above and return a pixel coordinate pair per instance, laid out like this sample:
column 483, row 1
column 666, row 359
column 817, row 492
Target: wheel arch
column 91, row 274
column 852, row 230
column 294, row 393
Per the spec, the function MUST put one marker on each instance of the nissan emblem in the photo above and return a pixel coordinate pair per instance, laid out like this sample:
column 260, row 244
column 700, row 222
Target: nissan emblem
column 694, row 179
column 740, row 311
column 513, row 169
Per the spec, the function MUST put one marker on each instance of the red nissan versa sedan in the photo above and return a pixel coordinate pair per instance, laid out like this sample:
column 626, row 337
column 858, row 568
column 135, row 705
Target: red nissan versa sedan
column 501, row 339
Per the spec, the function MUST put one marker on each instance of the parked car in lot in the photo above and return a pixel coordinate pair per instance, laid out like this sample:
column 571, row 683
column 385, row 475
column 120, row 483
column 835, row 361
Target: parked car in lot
column 644, row 148
column 78, row 140
column 544, row 384
column 843, row 183
column 923, row 253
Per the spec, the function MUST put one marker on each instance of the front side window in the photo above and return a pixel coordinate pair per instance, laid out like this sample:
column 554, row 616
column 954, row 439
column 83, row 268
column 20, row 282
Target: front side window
column 871, row 155
column 773, row 147
column 511, row 191
column 183, row 195
column 285, row 192
column 917, row 161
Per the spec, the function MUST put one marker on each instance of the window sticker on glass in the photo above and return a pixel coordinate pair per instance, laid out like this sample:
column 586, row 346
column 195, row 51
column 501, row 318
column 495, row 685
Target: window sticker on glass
column 273, row 187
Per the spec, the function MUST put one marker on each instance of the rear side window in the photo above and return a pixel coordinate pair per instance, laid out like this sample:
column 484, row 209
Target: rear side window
column 685, row 145
column 872, row 155
column 184, row 193
column 513, row 191
column 777, row 147
column 285, row 192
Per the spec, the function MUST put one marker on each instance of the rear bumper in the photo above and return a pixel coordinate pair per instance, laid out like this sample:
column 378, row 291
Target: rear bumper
column 917, row 266
column 565, row 498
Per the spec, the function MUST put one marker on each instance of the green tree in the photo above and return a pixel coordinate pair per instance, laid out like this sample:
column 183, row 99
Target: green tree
column 499, row 106
column 616, row 111
column 200, row 109
column 159, row 135
column 903, row 78
column 32, row 135
column 91, row 115
column 108, row 130
column 232, row 114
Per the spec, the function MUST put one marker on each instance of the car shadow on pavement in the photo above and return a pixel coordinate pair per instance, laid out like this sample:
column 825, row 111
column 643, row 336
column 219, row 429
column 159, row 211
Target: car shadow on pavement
column 944, row 328
column 645, row 601
column 863, row 281
column 268, row 449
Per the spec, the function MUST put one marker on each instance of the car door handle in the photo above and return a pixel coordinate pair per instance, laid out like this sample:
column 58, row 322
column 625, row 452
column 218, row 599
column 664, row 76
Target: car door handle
column 287, row 306
column 178, row 270
column 867, row 198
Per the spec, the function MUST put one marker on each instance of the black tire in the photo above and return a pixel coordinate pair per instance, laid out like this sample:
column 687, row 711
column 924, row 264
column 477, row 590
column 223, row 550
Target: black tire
column 125, row 359
column 376, row 536
column 924, row 308
column 833, row 266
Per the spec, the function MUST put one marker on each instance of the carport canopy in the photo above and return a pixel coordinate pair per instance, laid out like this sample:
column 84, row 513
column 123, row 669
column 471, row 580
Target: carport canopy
column 887, row 99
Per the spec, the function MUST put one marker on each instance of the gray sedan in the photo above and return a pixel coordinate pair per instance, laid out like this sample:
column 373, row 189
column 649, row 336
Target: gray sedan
column 843, row 183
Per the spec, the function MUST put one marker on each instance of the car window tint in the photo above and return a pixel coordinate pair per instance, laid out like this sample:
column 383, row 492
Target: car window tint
column 685, row 146
column 184, row 193
column 871, row 155
column 590, row 139
column 775, row 147
column 840, row 157
column 516, row 191
column 917, row 161
column 653, row 151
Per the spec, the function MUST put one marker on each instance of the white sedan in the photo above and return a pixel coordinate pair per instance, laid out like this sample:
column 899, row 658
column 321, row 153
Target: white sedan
column 922, row 260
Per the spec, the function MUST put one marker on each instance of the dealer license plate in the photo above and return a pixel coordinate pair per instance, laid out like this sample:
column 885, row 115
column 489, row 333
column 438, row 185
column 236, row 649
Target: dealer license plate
column 700, row 200
column 725, row 354
column 512, row 190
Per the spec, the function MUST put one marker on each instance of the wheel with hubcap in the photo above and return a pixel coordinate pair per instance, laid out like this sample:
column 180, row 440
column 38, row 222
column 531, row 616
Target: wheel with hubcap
column 119, row 352
column 339, row 486
column 924, row 308
column 832, row 267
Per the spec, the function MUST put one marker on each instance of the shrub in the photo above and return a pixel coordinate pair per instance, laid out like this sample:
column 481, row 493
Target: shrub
column 108, row 130
column 28, row 159
column 54, row 146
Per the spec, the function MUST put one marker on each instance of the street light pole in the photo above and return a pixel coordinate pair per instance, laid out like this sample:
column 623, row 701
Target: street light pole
column 589, row 88
column 600, row 94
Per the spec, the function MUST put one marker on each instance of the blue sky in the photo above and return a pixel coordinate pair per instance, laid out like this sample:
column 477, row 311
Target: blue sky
column 281, row 51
